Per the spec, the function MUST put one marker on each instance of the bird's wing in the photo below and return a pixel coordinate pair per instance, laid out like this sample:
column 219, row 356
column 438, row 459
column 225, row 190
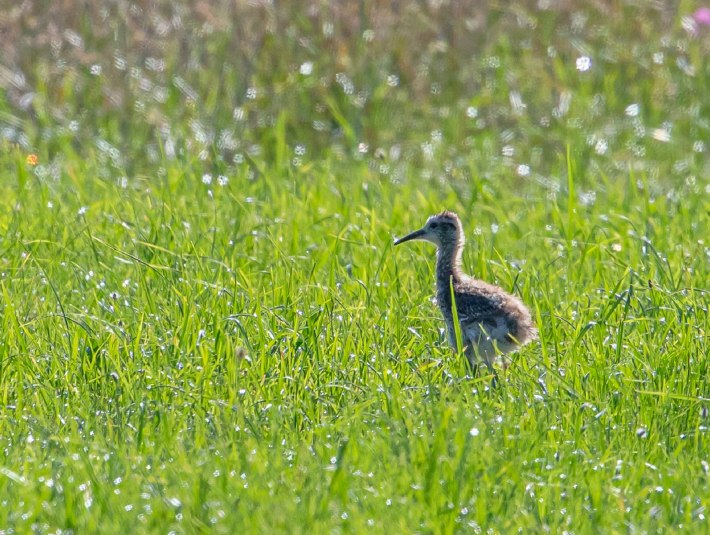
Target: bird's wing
column 475, row 308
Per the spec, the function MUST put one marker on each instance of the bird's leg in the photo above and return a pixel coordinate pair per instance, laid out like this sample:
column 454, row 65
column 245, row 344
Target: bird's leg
column 489, row 364
column 474, row 367
column 477, row 355
column 474, row 362
column 495, row 383
column 472, row 359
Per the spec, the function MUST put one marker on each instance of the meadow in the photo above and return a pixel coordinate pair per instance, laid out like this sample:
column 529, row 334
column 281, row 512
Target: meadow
column 206, row 328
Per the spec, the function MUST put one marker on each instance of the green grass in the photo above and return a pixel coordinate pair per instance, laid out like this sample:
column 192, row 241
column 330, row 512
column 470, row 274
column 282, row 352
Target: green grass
column 255, row 356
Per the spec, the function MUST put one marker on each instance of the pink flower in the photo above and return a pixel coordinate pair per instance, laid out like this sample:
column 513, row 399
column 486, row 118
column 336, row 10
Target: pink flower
column 702, row 16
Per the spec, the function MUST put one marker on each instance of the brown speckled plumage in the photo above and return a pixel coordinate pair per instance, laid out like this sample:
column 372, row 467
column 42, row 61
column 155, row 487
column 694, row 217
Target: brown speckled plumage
column 492, row 321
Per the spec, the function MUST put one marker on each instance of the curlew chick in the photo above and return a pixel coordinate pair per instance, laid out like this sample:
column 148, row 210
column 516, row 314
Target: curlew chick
column 492, row 321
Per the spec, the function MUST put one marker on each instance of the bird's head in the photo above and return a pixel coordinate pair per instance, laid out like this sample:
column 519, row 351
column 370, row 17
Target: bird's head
column 443, row 230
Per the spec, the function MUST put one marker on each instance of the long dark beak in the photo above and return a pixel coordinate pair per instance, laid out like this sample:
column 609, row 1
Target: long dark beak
column 411, row 236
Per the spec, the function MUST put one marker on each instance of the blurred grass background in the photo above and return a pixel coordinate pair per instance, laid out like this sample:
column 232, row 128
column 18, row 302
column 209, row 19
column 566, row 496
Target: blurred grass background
column 435, row 84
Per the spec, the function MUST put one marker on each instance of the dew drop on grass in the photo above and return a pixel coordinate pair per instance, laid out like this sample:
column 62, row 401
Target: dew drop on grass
column 306, row 68
column 584, row 63
column 661, row 134
column 601, row 146
column 632, row 110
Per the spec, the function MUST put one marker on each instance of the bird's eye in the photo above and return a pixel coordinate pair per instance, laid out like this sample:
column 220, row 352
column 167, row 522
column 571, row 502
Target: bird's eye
column 434, row 225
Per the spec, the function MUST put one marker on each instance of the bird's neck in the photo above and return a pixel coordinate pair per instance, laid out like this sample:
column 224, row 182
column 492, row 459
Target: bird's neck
column 448, row 263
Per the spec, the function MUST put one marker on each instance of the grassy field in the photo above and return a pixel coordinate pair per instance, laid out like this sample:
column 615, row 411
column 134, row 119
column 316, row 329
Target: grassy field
column 205, row 327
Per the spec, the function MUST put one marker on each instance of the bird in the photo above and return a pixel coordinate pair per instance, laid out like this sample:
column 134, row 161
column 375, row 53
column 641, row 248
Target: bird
column 492, row 321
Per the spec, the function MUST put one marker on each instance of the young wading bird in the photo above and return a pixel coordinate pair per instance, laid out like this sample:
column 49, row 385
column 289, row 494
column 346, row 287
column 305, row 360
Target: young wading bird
column 492, row 321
